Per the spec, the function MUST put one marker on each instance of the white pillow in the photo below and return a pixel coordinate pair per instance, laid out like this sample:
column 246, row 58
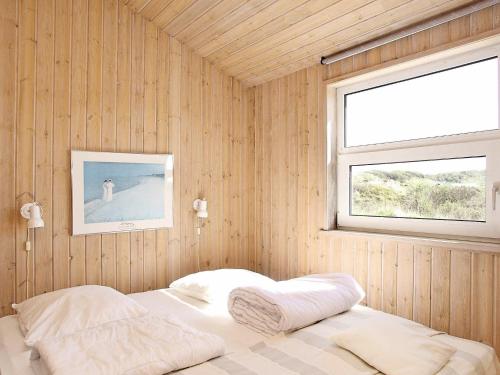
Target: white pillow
column 394, row 347
column 69, row 310
column 215, row 286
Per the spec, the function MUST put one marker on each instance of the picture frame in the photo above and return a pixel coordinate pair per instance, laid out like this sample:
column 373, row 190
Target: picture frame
column 121, row 192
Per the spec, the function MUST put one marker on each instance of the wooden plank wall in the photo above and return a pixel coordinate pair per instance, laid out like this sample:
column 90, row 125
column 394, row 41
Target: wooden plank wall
column 91, row 75
column 451, row 289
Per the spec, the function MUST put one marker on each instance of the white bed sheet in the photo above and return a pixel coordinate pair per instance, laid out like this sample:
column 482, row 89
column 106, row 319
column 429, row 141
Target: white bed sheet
column 15, row 355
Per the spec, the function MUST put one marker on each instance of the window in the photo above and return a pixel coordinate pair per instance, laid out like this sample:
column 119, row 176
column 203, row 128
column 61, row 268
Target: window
column 457, row 100
column 419, row 148
column 450, row 189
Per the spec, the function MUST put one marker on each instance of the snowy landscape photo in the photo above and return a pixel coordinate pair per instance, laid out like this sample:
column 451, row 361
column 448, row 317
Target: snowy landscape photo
column 115, row 192
column 123, row 191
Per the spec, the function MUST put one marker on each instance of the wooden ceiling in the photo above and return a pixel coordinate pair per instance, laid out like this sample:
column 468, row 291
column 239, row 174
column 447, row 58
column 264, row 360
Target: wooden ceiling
column 259, row 40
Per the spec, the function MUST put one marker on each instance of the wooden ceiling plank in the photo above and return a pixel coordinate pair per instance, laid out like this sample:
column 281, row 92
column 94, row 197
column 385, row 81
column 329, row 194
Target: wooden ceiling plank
column 326, row 19
column 189, row 16
column 298, row 64
column 406, row 14
column 299, row 58
column 259, row 40
column 312, row 59
column 136, row 5
column 239, row 15
column 347, row 21
column 289, row 22
column 153, row 8
column 211, row 17
column 268, row 14
column 172, row 11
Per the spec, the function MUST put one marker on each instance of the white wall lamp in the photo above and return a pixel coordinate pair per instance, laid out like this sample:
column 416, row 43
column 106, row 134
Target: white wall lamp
column 200, row 206
column 33, row 213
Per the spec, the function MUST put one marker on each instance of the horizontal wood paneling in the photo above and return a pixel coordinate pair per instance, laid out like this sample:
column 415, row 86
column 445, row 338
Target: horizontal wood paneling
column 454, row 289
column 259, row 40
column 92, row 75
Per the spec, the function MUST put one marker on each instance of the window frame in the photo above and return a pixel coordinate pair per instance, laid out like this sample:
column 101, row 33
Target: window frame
column 480, row 143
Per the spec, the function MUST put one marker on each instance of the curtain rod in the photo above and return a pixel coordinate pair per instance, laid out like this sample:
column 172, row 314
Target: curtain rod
column 436, row 21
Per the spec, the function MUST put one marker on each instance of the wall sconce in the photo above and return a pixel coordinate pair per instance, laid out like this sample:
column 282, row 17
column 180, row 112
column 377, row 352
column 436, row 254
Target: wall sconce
column 33, row 213
column 200, row 206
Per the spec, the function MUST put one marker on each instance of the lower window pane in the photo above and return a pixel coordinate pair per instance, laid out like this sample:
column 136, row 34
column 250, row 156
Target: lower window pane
column 448, row 189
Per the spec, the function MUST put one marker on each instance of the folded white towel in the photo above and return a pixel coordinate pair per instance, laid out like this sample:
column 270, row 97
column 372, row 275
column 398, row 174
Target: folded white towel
column 396, row 348
column 296, row 303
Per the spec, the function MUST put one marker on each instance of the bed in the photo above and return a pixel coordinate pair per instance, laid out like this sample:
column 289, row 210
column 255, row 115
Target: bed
column 306, row 351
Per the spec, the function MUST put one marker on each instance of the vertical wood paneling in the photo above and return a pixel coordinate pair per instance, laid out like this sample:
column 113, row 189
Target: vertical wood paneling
column 174, row 145
column 361, row 264
column 78, row 119
column 94, row 122
column 62, row 137
column 44, row 96
column 375, row 273
column 150, row 137
column 226, row 169
column 197, row 141
column 277, row 141
column 303, row 172
column 313, row 168
column 108, row 133
column 8, row 81
column 390, row 269
column 187, row 222
column 249, row 179
column 460, row 297
column 218, row 185
column 208, row 243
column 162, row 95
column 137, row 142
column 91, row 75
column 440, row 289
column 281, row 175
column 292, row 186
column 405, row 281
column 422, row 303
column 482, row 297
column 25, row 129
column 150, row 140
column 123, row 97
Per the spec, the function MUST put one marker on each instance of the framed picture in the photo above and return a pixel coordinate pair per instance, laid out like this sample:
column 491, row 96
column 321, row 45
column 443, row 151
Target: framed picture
column 117, row 192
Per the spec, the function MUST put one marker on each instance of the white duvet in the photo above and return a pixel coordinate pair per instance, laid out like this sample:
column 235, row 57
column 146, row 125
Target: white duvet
column 293, row 304
column 145, row 345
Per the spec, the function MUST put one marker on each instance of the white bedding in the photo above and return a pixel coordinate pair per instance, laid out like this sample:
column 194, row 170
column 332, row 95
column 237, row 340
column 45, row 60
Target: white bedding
column 15, row 355
column 395, row 348
column 310, row 351
column 296, row 303
column 145, row 345
column 247, row 350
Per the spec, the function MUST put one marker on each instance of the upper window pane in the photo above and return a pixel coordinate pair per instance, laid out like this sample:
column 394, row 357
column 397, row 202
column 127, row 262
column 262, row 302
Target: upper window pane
column 454, row 101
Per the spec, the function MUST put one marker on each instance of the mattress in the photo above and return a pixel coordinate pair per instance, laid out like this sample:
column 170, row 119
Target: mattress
column 307, row 351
